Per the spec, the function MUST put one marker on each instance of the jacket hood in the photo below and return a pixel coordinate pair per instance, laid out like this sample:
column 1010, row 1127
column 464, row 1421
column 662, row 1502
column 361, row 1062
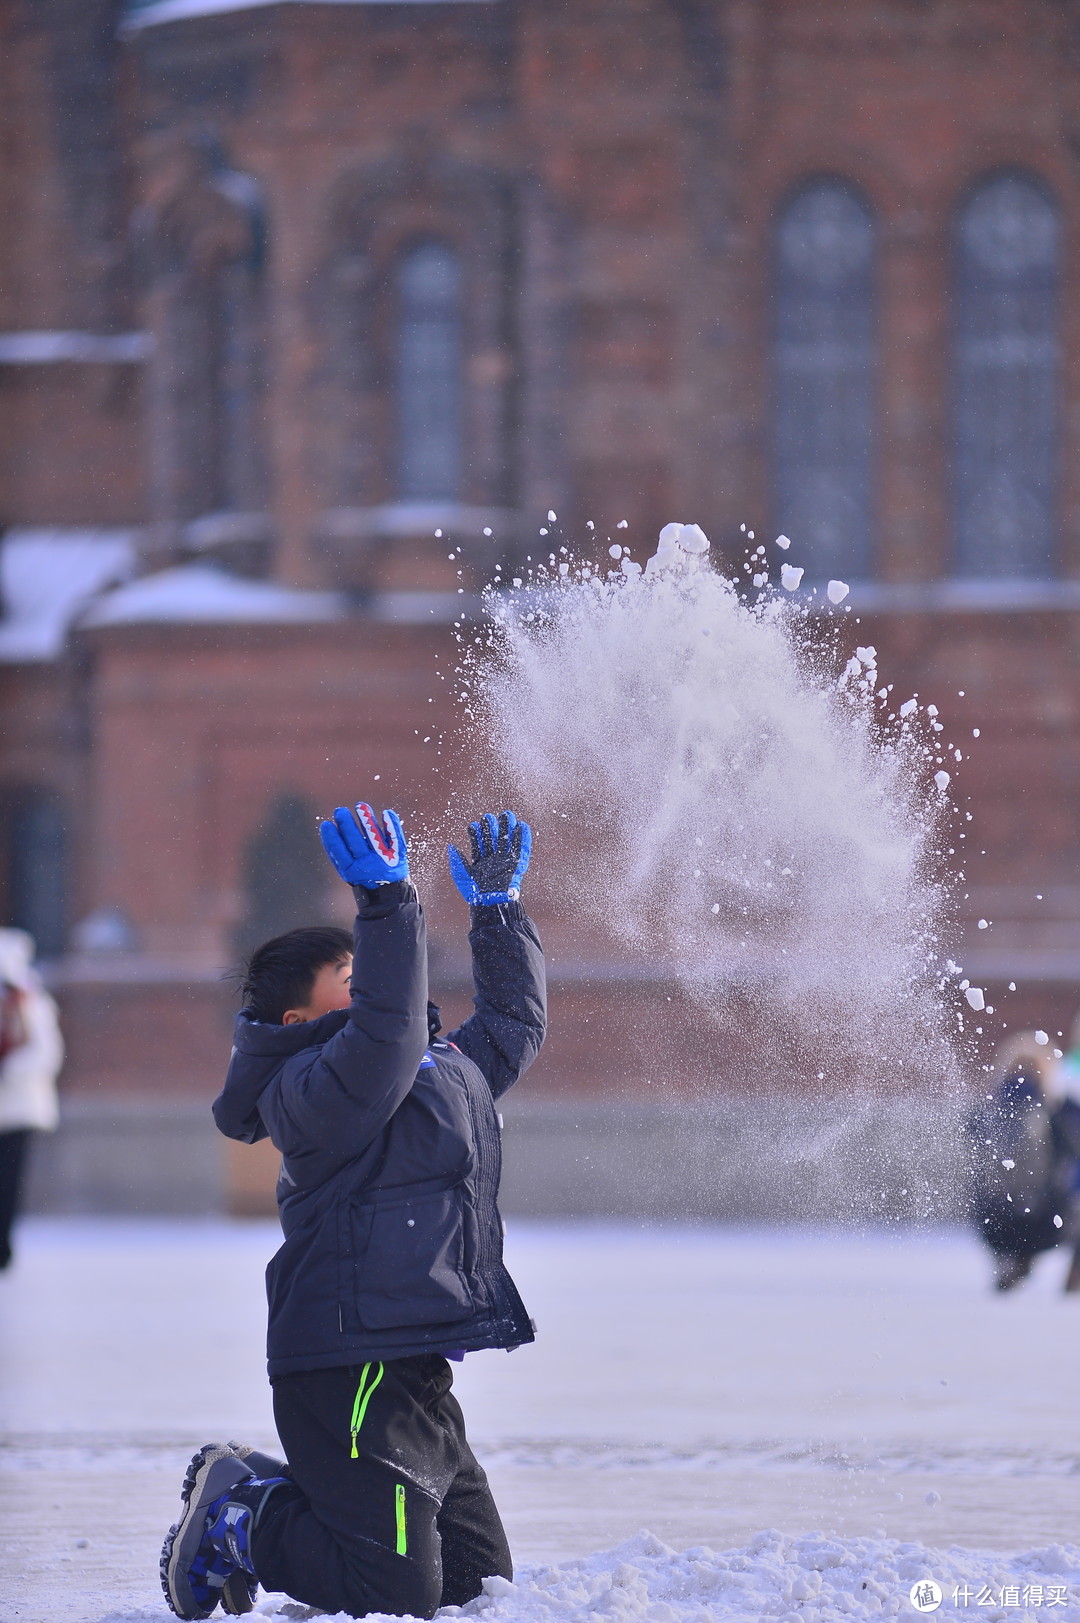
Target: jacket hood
column 251, row 1036
column 258, row 1053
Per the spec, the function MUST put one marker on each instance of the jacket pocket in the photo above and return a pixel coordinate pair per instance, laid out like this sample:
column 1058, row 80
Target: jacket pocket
column 411, row 1271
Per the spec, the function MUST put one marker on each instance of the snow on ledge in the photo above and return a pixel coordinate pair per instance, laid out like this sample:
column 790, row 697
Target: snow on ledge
column 989, row 595
column 169, row 11
column 34, row 348
column 420, row 608
column 199, row 594
column 47, row 577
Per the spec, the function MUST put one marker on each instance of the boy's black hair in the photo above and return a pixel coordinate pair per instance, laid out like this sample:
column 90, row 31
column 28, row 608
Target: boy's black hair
column 280, row 974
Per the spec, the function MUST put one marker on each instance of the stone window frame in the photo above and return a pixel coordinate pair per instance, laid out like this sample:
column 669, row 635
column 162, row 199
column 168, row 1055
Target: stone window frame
column 373, row 218
column 205, row 246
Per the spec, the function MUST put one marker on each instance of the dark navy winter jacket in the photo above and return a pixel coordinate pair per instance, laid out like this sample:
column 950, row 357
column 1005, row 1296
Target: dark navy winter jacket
column 390, row 1146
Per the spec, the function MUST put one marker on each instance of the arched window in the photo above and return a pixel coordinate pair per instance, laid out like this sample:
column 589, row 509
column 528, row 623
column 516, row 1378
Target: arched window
column 823, row 364
column 207, row 254
column 284, row 874
column 1007, row 286
column 37, row 868
column 429, row 374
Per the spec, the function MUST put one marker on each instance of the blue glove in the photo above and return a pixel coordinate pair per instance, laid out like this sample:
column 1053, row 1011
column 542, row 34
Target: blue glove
column 363, row 850
column 501, row 847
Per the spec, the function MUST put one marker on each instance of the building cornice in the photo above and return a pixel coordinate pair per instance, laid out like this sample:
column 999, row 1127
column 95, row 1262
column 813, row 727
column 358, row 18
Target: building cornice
column 145, row 13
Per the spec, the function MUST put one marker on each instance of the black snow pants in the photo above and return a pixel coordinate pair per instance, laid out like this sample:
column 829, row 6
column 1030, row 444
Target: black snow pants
column 13, row 1148
column 390, row 1511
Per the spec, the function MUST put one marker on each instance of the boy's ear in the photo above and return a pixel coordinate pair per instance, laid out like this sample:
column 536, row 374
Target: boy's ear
column 293, row 1017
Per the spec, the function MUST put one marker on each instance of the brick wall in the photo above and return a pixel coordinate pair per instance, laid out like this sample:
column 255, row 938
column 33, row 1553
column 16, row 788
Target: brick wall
column 610, row 174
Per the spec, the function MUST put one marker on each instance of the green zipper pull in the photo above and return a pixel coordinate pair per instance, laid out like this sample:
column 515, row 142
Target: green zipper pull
column 399, row 1509
column 360, row 1403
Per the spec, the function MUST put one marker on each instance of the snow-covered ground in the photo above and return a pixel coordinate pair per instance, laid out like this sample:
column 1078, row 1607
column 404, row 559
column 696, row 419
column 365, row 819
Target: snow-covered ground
column 805, row 1424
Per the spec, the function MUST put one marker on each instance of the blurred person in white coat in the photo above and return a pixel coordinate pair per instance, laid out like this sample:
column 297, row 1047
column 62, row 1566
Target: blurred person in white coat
column 31, row 1054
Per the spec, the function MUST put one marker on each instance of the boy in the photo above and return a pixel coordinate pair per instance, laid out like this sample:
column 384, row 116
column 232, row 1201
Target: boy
column 392, row 1257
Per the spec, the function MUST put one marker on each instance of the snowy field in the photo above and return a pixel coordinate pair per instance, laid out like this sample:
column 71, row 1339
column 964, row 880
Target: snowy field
column 714, row 1423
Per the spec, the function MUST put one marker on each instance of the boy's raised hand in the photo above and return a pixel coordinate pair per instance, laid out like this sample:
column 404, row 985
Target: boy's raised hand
column 501, row 847
column 364, row 850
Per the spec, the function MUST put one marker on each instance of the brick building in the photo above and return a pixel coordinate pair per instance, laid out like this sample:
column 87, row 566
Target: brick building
column 289, row 286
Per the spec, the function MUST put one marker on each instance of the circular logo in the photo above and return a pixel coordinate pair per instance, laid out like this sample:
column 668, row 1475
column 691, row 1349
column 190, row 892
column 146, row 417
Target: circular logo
column 926, row 1595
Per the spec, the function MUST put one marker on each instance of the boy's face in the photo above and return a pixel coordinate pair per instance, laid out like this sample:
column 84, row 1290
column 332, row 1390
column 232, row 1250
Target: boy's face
column 329, row 991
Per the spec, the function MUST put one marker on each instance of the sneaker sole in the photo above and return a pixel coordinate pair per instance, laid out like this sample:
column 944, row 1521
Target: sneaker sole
column 205, row 1480
column 236, row 1595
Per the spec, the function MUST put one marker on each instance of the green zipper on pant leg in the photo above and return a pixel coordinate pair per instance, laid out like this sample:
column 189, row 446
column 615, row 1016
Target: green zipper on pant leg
column 360, row 1403
column 399, row 1511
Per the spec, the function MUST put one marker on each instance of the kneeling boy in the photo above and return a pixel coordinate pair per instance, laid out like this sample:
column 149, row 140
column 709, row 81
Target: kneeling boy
column 392, row 1257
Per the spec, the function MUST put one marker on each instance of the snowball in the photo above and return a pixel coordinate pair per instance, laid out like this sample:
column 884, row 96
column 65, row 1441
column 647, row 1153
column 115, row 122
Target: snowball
column 1058, row 1222
column 675, row 543
column 517, row 580
column 909, row 707
column 1041, row 1037
column 867, row 656
column 615, row 551
column 984, row 924
column 552, row 516
column 942, row 780
column 693, row 539
column 715, row 907
column 783, row 542
column 836, row 591
column 975, row 998
column 790, row 577
column 623, row 524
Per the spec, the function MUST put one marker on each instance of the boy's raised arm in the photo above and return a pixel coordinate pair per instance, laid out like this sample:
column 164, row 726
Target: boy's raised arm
column 504, row 1034
column 352, row 1087
column 329, row 1100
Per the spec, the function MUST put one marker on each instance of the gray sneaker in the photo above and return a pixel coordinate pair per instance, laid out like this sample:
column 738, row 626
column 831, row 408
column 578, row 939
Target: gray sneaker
column 193, row 1576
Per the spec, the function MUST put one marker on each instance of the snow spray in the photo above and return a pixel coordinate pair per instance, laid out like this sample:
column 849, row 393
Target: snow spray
column 757, row 828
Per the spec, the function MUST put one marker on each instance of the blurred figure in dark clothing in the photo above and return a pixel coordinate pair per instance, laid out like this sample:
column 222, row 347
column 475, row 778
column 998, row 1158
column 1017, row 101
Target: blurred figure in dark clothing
column 1025, row 1162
